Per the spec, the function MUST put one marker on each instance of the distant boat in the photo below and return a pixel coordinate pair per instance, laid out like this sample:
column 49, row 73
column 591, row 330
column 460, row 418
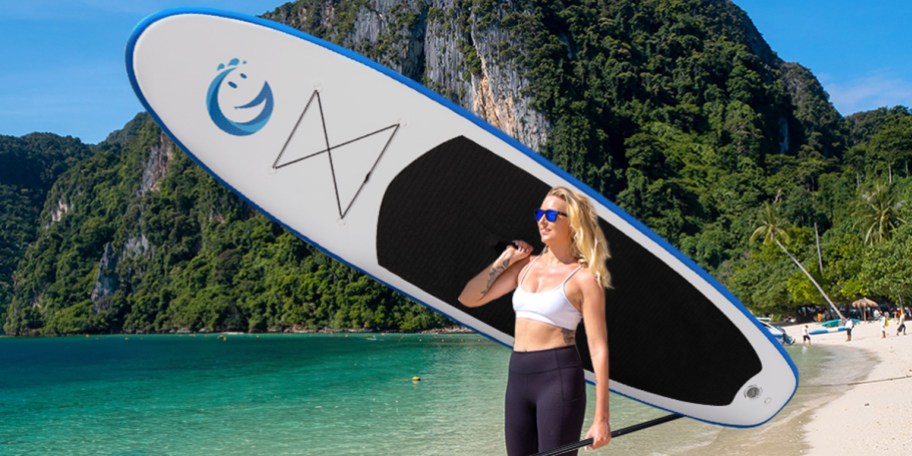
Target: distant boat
column 836, row 323
column 777, row 332
column 832, row 327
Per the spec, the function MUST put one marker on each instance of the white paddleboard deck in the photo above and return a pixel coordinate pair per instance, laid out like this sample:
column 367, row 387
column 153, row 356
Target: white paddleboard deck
column 376, row 170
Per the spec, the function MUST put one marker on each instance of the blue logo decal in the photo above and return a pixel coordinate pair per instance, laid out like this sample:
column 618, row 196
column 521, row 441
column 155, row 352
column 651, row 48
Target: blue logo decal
column 264, row 99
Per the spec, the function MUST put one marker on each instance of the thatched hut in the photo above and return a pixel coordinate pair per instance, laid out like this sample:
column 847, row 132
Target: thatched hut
column 864, row 304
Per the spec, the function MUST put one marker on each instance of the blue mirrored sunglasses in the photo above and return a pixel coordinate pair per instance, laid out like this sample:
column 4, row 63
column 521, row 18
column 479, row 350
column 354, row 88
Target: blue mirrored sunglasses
column 550, row 214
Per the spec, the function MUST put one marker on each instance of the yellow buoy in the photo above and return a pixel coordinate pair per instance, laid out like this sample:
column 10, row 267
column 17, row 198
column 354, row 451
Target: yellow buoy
column 416, row 379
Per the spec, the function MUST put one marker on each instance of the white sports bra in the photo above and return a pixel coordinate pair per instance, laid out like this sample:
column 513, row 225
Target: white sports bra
column 549, row 306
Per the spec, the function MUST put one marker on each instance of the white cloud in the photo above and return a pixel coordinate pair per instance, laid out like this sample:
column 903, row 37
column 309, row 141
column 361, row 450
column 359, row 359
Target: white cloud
column 873, row 91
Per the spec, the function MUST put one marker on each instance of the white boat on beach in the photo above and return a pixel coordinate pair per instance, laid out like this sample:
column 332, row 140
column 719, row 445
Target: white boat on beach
column 777, row 332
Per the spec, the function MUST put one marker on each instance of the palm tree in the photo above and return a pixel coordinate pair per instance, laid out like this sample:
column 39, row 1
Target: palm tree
column 771, row 228
column 879, row 213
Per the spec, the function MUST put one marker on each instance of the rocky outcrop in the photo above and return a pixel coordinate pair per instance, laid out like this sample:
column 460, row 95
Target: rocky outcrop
column 59, row 211
column 390, row 32
column 812, row 108
column 159, row 156
column 429, row 42
column 136, row 246
column 498, row 91
column 106, row 281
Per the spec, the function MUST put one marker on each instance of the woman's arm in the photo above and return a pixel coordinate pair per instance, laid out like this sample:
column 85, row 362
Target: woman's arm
column 498, row 279
column 593, row 307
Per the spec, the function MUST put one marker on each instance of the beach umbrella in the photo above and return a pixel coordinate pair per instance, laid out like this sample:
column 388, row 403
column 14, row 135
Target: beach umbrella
column 863, row 304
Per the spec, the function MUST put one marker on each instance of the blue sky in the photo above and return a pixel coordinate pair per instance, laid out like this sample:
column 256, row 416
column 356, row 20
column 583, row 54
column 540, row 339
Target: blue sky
column 63, row 68
column 859, row 50
column 63, row 62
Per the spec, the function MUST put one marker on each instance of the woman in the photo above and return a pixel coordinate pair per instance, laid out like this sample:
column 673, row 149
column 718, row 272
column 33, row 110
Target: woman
column 546, row 391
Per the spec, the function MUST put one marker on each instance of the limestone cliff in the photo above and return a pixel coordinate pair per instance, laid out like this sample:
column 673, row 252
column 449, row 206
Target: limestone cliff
column 441, row 44
column 670, row 109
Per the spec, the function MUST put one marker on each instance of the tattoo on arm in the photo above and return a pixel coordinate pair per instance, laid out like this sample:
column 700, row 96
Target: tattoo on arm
column 494, row 274
column 569, row 336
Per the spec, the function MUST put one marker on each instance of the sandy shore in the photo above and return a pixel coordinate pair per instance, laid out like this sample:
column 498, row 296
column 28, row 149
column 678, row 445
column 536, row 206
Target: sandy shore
column 872, row 415
column 854, row 398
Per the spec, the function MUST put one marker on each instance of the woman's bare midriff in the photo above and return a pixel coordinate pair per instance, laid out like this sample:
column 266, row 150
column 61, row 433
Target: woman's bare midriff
column 532, row 335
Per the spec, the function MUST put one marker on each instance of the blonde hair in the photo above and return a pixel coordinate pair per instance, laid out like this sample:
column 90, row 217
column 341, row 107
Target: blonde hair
column 589, row 244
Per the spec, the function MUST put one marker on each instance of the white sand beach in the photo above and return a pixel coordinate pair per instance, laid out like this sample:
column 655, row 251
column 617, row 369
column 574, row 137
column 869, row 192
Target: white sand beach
column 874, row 414
column 854, row 398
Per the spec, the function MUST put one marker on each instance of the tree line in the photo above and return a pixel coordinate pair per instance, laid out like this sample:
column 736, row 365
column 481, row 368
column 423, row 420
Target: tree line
column 676, row 110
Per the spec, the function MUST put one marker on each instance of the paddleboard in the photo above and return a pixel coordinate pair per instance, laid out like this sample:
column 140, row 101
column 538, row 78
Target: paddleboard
column 396, row 181
column 825, row 331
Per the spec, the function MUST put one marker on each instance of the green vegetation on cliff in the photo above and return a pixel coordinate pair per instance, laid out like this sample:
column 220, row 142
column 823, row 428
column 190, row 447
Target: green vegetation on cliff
column 676, row 109
column 28, row 167
column 152, row 243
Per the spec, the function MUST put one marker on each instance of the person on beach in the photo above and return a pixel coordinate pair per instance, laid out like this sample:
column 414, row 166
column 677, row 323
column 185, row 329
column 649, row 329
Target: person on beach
column 849, row 324
column 545, row 400
column 884, row 322
column 806, row 335
column 902, row 323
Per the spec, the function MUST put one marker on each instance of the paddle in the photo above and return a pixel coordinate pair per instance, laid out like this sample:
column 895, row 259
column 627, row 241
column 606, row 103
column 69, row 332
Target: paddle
column 617, row 433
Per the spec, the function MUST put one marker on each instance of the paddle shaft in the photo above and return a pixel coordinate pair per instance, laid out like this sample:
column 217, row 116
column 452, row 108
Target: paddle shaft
column 617, row 433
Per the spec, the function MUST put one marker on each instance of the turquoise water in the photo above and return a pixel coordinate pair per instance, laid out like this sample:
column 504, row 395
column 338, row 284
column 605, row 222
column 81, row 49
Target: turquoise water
column 274, row 394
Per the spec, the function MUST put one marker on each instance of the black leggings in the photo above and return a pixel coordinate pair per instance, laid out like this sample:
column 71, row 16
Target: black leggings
column 546, row 400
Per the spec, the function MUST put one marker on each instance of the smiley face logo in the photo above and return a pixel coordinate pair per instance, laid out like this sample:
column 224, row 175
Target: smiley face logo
column 244, row 118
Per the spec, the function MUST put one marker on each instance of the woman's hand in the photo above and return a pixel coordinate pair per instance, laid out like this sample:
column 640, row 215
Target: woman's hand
column 600, row 433
column 518, row 250
column 499, row 279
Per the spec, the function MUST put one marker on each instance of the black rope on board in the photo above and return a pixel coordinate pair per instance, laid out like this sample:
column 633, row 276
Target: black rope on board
column 328, row 150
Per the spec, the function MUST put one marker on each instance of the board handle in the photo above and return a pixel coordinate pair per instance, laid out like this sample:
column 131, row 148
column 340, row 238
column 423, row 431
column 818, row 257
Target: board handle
column 500, row 246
